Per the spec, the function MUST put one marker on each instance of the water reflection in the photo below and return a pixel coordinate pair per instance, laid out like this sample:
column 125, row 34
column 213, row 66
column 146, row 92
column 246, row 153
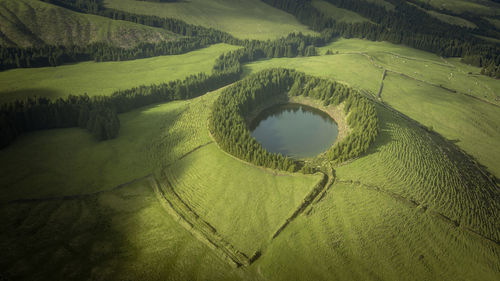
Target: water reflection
column 295, row 130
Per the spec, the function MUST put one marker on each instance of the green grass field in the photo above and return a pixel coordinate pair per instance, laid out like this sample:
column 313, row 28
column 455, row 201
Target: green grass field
column 452, row 19
column 356, row 233
column 338, row 14
column 70, row 161
column 246, row 19
column 388, row 6
column 352, row 69
column 32, row 22
column 245, row 212
column 482, row 7
column 104, row 78
column 469, row 116
column 427, row 170
column 162, row 201
column 124, row 234
column 381, row 220
column 470, row 123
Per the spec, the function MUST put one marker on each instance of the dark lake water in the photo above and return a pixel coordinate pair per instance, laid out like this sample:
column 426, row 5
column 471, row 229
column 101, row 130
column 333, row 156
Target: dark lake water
column 294, row 130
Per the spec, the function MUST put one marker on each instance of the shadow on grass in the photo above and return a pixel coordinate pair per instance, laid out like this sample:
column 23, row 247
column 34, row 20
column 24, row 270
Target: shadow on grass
column 10, row 96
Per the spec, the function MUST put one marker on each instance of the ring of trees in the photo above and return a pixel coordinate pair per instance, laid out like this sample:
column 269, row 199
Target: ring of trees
column 228, row 127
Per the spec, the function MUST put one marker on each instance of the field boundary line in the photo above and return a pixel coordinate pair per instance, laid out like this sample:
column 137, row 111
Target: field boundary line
column 193, row 150
column 77, row 196
column 311, row 198
column 199, row 228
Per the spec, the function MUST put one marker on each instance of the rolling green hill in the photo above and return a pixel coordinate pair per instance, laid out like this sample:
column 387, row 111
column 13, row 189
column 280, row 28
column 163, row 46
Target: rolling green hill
column 438, row 93
column 338, row 14
column 106, row 77
column 164, row 201
column 481, row 7
column 245, row 19
column 404, row 210
column 31, row 22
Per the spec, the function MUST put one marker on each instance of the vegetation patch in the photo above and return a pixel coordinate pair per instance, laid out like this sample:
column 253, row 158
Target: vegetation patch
column 105, row 78
column 425, row 168
column 338, row 14
column 227, row 123
column 239, row 217
column 27, row 23
column 249, row 19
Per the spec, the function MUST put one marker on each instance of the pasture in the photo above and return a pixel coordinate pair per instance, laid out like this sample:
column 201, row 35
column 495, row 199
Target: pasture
column 443, row 93
column 104, row 78
column 162, row 201
column 338, row 14
column 244, row 19
column 32, row 23
column 378, row 221
column 481, row 7
column 121, row 234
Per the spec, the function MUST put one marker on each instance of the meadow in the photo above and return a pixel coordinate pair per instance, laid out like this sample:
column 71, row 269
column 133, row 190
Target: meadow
column 357, row 233
column 122, row 234
column 104, row 78
column 443, row 93
column 481, row 7
column 243, row 19
column 33, row 22
column 339, row 14
column 76, row 180
column 163, row 201
column 368, row 224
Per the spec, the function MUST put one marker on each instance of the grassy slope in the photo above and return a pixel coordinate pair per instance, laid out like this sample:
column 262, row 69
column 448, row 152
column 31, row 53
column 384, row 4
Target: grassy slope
column 246, row 212
column 482, row 7
column 473, row 125
column 495, row 22
column 31, row 22
column 120, row 235
column 340, row 15
column 356, row 233
column 383, row 3
column 70, row 161
column 246, row 19
column 352, row 65
column 448, row 19
column 427, row 170
column 352, row 69
column 452, row 20
column 105, row 78
column 135, row 237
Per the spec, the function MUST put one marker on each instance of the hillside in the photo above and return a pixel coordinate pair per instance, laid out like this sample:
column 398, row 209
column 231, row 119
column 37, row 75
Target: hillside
column 241, row 18
column 143, row 162
column 27, row 23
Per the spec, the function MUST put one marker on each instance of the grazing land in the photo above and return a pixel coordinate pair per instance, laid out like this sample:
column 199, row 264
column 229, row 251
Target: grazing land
column 440, row 93
column 106, row 77
column 245, row 19
column 418, row 197
column 32, row 22
column 340, row 15
column 481, row 7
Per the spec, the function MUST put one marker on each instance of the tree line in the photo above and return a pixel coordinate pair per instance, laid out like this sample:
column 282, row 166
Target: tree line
column 228, row 126
column 98, row 114
column 41, row 113
column 406, row 25
column 13, row 57
column 197, row 37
